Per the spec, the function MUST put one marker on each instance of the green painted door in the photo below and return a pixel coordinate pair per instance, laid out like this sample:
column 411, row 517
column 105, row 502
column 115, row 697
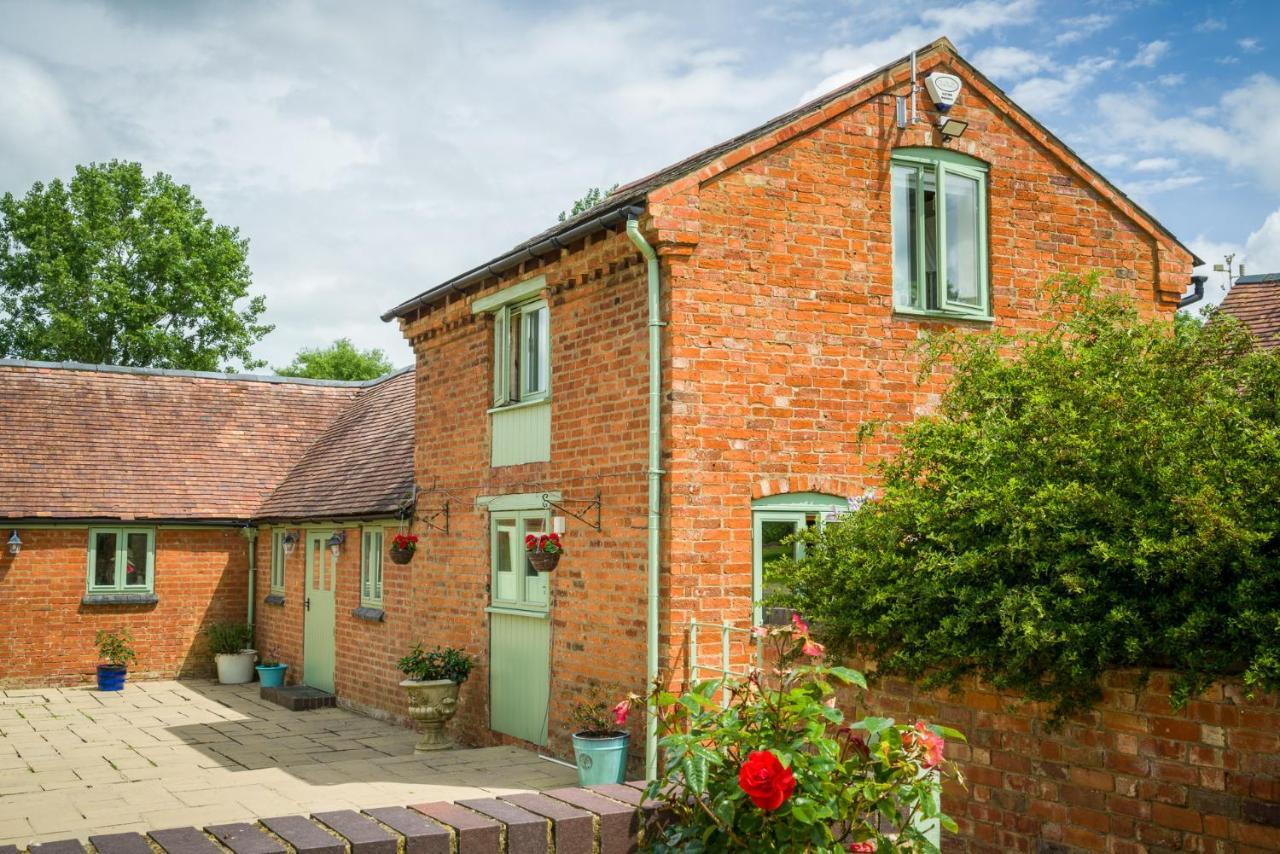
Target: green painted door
column 519, row 630
column 319, row 605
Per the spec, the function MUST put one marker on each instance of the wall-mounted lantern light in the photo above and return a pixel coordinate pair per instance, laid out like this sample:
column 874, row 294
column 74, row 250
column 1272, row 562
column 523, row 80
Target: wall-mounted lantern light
column 15, row 543
column 290, row 542
column 336, row 541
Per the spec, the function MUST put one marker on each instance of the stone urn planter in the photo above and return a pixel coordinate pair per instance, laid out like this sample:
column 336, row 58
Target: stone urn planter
column 235, row 668
column 432, row 703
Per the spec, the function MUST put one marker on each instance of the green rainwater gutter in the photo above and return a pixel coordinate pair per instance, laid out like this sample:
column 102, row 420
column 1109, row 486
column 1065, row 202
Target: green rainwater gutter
column 251, row 534
column 655, row 484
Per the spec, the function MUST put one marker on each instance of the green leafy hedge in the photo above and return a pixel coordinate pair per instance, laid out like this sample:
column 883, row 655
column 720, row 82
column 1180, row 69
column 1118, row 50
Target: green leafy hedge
column 1103, row 494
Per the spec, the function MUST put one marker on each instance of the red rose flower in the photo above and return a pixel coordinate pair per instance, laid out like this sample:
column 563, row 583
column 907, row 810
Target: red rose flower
column 862, row 846
column 929, row 741
column 765, row 781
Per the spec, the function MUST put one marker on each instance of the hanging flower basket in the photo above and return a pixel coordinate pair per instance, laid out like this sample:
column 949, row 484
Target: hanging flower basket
column 544, row 551
column 402, row 548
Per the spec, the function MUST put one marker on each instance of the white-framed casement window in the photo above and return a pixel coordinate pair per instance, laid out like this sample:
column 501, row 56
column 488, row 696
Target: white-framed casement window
column 516, row 584
column 277, row 562
column 522, row 357
column 122, row 560
column 371, row 568
column 939, row 233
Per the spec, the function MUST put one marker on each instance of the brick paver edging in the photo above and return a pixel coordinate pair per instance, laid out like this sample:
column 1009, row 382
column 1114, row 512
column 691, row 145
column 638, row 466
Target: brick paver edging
column 606, row 819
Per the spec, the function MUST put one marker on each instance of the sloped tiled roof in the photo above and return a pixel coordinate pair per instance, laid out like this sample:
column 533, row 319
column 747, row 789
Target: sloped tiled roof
column 1255, row 302
column 100, row 442
column 362, row 464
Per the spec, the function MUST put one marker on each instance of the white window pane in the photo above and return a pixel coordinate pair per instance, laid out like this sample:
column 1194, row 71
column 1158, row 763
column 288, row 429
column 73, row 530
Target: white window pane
column 905, row 226
column 504, row 571
column 963, row 280
column 136, row 569
column 104, row 559
column 535, row 349
column 929, row 222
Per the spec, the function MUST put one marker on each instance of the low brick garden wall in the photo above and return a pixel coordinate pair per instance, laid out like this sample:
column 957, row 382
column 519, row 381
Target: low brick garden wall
column 1131, row 776
column 606, row 819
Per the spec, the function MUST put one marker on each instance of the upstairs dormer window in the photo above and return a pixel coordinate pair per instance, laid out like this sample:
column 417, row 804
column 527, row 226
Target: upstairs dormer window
column 939, row 233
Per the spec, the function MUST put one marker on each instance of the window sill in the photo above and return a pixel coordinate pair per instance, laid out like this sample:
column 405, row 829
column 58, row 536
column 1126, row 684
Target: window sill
column 119, row 599
column 274, row 599
column 373, row 615
column 946, row 316
column 523, row 404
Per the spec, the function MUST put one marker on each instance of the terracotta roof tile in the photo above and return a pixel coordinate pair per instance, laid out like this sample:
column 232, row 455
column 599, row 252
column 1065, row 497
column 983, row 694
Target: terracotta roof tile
column 95, row 442
column 361, row 464
column 1256, row 304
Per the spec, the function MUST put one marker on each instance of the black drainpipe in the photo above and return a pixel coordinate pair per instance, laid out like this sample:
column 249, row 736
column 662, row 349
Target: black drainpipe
column 1197, row 292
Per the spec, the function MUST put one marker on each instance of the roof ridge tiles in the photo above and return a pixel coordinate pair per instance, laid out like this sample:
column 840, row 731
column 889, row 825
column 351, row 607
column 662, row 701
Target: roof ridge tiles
column 202, row 375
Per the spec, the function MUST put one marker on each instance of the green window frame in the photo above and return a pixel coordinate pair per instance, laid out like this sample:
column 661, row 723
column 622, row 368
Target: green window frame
column 371, row 554
column 939, row 234
column 522, row 353
column 121, row 560
column 514, row 582
column 775, row 517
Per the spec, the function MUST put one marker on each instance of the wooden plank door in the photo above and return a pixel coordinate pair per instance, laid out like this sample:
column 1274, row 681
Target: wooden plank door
column 318, row 648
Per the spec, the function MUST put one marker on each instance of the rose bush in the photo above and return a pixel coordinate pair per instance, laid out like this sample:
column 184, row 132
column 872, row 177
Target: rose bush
column 768, row 763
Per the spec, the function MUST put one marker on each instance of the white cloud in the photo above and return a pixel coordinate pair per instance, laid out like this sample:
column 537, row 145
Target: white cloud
column 1262, row 249
column 1210, row 25
column 1250, row 45
column 1171, row 79
column 1149, row 54
column 1082, row 27
column 37, row 122
column 1240, row 131
column 1048, row 93
column 1155, row 164
column 1144, row 189
column 845, row 63
column 1260, row 253
column 1010, row 63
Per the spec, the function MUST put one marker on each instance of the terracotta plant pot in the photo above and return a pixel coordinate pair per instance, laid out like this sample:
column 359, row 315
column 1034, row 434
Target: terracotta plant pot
column 432, row 704
column 401, row 556
column 544, row 562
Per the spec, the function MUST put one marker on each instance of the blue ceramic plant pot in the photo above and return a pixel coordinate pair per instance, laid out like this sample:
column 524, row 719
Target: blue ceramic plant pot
column 601, row 759
column 111, row 677
column 271, row 676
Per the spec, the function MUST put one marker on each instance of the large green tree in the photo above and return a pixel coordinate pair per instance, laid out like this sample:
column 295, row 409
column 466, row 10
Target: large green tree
column 1103, row 494
column 116, row 267
column 339, row 361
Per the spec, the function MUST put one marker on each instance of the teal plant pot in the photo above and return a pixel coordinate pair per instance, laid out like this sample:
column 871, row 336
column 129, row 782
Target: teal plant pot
column 273, row 676
column 601, row 759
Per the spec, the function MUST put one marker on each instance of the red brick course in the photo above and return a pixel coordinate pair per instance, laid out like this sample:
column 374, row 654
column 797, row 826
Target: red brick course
column 46, row 634
column 1206, row 778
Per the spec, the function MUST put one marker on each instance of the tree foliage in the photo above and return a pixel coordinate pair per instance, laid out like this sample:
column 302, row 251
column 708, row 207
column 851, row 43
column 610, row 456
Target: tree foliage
column 119, row 268
column 1103, row 494
column 589, row 200
column 339, row 361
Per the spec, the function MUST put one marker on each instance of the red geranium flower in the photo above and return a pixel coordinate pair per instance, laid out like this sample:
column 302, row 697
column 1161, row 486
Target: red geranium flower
column 767, row 783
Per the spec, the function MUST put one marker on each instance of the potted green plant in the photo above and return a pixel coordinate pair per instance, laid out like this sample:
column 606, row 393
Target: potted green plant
column 432, row 685
column 600, row 744
column 402, row 547
column 544, row 551
column 116, row 649
column 229, row 643
column 271, row 670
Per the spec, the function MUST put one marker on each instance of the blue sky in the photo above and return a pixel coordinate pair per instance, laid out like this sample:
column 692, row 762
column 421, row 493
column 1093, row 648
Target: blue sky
column 371, row 150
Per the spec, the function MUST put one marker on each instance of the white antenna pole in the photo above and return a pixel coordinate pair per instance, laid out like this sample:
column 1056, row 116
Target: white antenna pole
column 914, row 87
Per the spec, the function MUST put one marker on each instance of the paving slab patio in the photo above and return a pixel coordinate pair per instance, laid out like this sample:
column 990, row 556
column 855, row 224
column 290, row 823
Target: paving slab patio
column 76, row 761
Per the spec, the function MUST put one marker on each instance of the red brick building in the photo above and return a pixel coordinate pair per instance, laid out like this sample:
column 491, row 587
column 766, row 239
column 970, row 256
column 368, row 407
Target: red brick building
column 793, row 269
column 134, row 497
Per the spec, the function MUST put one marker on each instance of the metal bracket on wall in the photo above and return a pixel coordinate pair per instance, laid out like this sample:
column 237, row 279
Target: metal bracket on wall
column 429, row 518
column 589, row 505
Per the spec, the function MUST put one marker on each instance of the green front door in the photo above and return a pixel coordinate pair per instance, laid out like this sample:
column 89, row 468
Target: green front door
column 519, row 630
column 319, row 610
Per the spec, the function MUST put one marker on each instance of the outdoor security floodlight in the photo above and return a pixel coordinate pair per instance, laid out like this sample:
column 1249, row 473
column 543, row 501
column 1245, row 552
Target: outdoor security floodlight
column 951, row 128
column 290, row 542
column 336, row 541
column 15, row 543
